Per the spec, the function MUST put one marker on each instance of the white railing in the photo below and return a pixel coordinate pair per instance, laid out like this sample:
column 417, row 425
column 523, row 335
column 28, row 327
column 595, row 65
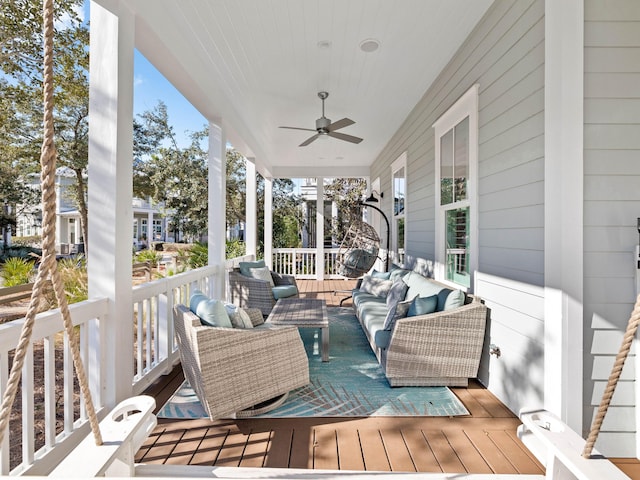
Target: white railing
column 49, row 380
column 155, row 351
column 301, row 262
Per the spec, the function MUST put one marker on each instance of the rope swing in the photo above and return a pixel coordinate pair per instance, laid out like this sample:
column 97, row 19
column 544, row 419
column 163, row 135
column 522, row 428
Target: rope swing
column 627, row 340
column 48, row 269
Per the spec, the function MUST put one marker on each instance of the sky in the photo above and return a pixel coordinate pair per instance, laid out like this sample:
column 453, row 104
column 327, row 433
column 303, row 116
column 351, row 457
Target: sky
column 150, row 86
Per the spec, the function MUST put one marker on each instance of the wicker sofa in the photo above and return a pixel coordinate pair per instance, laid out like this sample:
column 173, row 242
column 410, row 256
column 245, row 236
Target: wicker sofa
column 232, row 369
column 440, row 348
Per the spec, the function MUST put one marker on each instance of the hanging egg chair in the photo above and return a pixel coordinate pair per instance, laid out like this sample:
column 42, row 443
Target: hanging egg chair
column 358, row 250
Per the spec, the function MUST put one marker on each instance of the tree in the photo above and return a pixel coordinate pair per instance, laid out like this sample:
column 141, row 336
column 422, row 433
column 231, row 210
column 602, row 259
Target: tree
column 347, row 193
column 21, row 41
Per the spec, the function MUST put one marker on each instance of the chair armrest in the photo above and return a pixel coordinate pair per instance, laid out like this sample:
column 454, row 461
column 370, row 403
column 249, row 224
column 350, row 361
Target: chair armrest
column 445, row 343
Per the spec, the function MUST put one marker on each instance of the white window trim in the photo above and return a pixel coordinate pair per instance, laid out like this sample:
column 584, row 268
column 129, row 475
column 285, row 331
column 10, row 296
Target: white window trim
column 398, row 163
column 465, row 106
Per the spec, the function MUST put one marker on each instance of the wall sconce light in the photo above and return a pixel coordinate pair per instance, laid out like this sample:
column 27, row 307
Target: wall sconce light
column 372, row 199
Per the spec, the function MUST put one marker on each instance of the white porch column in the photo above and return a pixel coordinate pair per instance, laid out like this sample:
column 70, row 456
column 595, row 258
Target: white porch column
column 217, row 206
column 110, row 193
column 251, row 209
column 319, row 228
column 268, row 222
column 563, row 263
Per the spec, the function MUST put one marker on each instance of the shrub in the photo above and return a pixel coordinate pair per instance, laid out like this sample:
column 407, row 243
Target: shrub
column 73, row 272
column 17, row 271
column 150, row 256
column 235, row 248
column 31, row 241
column 198, row 255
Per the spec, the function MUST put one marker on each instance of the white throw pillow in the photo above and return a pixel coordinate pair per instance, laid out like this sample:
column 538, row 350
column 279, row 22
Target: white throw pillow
column 262, row 273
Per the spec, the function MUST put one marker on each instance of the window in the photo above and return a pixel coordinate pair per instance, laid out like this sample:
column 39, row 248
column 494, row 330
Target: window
column 399, row 191
column 456, row 146
column 157, row 229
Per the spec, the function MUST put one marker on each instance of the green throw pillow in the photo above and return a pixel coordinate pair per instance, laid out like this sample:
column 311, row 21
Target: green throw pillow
column 211, row 312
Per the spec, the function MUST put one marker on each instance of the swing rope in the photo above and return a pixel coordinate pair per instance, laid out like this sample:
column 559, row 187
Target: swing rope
column 627, row 340
column 48, row 268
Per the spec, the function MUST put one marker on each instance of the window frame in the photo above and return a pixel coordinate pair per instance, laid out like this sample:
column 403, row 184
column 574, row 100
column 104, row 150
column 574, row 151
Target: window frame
column 398, row 164
column 465, row 106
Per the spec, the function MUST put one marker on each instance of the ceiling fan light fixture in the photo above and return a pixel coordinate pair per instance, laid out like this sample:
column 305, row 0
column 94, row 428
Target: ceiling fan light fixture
column 369, row 45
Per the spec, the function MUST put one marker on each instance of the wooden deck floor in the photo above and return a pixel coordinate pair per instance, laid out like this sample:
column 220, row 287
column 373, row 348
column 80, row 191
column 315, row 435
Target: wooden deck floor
column 483, row 442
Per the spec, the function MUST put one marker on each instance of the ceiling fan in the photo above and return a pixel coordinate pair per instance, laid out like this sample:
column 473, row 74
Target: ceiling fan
column 325, row 127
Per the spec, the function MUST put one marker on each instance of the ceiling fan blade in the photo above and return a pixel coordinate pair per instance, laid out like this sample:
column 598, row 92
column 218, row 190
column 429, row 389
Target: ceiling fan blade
column 345, row 137
column 309, row 140
column 345, row 122
column 300, row 128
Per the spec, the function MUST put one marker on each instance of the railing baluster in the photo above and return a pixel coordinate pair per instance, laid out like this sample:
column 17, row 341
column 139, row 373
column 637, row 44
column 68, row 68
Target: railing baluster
column 50, row 391
column 139, row 340
column 148, row 318
column 4, row 447
column 67, row 385
column 27, row 413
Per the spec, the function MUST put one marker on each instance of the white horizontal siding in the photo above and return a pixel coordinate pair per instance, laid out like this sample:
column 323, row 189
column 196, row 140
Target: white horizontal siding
column 611, row 206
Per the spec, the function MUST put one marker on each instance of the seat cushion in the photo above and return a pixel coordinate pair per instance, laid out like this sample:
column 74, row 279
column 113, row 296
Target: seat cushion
column 245, row 266
column 284, row 291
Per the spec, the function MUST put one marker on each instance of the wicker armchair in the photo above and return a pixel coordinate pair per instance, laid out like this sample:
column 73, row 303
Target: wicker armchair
column 247, row 292
column 232, row 369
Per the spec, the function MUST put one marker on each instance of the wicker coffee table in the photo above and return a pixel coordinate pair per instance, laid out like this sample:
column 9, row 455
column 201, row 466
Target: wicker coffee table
column 303, row 313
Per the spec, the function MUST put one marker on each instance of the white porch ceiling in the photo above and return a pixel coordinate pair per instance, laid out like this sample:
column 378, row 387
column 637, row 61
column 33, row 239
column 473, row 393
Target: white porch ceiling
column 257, row 64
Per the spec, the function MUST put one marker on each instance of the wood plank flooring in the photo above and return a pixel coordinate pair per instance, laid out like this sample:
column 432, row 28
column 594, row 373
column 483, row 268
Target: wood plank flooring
column 483, row 442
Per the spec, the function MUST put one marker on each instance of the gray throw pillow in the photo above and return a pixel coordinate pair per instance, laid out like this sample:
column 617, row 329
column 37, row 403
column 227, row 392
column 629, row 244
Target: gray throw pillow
column 398, row 310
column 397, row 292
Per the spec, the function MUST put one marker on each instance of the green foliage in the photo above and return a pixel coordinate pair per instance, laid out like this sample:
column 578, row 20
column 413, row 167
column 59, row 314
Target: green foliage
column 18, row 251
column 21, row 78
column 148, row 256
column 17, row 271
column 169, row 174
column 235, row 248
column 198, row 255
column 73, row 272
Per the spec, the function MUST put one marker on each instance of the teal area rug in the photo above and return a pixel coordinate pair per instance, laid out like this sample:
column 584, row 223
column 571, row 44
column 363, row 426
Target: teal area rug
column 351, row 384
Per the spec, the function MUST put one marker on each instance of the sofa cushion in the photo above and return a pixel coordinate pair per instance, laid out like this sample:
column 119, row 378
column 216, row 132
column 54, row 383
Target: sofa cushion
column 455, row 299
column 423, row 306
column 210, row 311
column 425, row 287
column 284, row 291
column 245, row 266
column 396, row 293
column 239, row 317
column 360, row 297
column 382, row 275
column 375, row 286
column 372, row 315
column 262, row 273
column 397, row 272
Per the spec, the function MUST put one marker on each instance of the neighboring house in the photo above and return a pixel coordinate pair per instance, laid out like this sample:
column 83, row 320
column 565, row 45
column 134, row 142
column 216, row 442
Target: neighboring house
column 69, row 239
column 309, row 194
